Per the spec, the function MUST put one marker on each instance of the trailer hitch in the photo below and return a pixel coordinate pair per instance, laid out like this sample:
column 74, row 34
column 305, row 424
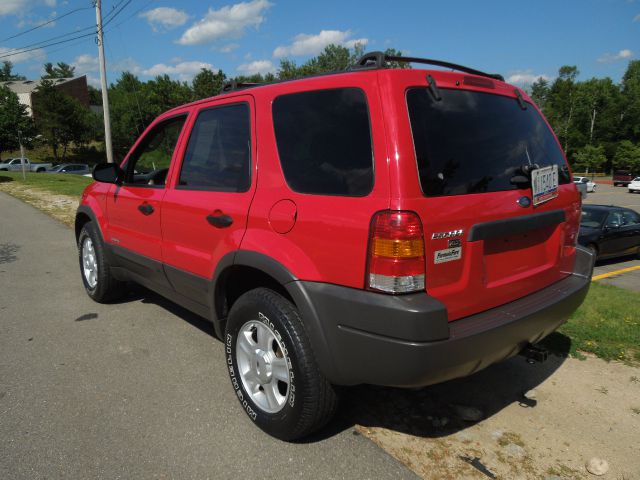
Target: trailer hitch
column 534, row 353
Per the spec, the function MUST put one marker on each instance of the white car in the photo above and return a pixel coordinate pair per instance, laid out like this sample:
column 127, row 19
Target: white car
column 634, row 186
column 591, row 185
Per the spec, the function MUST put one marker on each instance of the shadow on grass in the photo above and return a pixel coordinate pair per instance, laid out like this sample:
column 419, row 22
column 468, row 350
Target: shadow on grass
column 418, row 412
column 5, row 179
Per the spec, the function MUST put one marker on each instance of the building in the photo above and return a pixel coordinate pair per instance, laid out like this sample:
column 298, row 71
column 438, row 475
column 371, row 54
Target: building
column 74, row 87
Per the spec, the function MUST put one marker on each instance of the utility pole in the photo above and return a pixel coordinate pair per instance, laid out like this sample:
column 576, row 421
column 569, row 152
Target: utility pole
column 103, row 82
column 22, row 162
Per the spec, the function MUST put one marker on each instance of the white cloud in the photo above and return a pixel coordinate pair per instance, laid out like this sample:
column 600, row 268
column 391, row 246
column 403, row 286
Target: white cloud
column 227, row 48
column 20, row 7
column 230, row 21
column 526, row 77
column 184, row 71
column 37, row 54
column 88, row 64
column 258, row 66
column 304, row 44
column 165, row 18
column 85, row 63
column 611, row 57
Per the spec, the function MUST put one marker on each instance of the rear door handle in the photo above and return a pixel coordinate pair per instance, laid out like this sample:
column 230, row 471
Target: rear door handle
column 145, row 208
column 220, row 220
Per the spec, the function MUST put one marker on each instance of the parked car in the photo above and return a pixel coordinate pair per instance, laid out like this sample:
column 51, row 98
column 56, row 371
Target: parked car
column 634, row 185
column 610, row 231
column 390, row 237
column 73, row 168
column 15, row 165
column 622, row 177
column 589, row 184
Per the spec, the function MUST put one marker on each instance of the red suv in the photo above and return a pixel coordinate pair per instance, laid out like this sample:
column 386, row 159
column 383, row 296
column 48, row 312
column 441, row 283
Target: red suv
column 387, row 226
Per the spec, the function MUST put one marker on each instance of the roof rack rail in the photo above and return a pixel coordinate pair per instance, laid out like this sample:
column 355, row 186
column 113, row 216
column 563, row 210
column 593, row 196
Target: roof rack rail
column 375, row 60
column 235, row 85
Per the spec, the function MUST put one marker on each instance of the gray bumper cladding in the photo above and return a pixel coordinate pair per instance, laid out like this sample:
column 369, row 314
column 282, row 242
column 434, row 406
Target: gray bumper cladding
column 365, row 337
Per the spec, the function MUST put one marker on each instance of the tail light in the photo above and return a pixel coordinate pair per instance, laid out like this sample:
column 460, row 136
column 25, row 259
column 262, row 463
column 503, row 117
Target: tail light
column 396, row 262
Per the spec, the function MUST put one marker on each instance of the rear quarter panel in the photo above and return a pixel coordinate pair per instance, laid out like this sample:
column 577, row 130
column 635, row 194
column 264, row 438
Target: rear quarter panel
column 328, row 242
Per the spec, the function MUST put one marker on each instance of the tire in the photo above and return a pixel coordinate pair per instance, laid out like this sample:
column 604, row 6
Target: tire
column 593, row 190
column 262, row 317
column 40, row 170
column 99, row 285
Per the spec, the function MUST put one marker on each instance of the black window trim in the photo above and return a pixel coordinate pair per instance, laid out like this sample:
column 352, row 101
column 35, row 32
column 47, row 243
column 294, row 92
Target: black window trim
column 373, row 153
column 218, row 189
column 156, row 124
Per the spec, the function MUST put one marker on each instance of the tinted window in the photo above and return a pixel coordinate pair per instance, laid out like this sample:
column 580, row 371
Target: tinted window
column 149, row 163
column 324, row 141
column 592, row 217
column 472, row 142
column 629, row 217
column 218, row 155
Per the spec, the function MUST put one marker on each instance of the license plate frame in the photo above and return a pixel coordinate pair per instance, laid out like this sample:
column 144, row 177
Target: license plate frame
column 544, row 184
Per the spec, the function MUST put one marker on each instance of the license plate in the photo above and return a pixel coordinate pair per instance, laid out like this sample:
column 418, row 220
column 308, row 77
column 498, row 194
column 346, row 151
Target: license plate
column 544, row 184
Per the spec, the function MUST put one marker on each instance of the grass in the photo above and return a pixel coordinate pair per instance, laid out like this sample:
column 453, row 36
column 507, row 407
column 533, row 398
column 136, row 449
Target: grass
column 61, row 184
column 607, row 325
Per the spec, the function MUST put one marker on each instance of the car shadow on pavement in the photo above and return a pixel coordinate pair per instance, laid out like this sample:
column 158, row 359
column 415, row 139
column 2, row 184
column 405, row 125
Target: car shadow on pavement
column 441, row 410
column 433, row 411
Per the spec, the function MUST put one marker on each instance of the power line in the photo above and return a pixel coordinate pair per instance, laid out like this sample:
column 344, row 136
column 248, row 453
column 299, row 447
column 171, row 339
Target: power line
column 132, row 15
column 45, row 23
column 47, row 43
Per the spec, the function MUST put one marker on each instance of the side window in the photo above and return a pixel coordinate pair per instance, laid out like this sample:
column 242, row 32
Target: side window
column 218, row 155
column 630, row 217
column 324, row 141
column 149, row 163
column 614, row 220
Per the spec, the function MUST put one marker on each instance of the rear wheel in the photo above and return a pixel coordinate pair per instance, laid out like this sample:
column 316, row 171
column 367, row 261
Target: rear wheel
column 272, row 367
column 94, row 266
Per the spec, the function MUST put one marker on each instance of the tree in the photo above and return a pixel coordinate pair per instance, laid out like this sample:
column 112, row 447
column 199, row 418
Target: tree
column 207, row 84
column 61, row 70
column 561, row 103
column 13, row 118
column 630, row 111
column 589, row 159
column 540, row 92
column 95, row 95
column 627, row 156
column 61, row 120
column 392, row 52
column 6, row 72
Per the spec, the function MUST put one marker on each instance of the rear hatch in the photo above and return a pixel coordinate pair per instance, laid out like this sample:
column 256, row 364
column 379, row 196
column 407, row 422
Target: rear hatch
column 479, row 146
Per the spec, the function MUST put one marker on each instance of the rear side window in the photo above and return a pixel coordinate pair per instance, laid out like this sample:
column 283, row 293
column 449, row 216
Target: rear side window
column 218, row 155
column 473, row 142
column 324, row 141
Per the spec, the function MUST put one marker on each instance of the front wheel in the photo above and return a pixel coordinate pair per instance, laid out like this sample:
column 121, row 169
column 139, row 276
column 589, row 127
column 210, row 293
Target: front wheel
column 273, row 369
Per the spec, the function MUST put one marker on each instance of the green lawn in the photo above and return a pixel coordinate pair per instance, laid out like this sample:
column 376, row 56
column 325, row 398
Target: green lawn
column 607, row 325
column 55, row 183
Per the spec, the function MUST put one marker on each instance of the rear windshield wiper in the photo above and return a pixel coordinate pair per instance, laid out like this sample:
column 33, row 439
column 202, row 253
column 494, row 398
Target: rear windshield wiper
column 433, row 88
column 521, row 102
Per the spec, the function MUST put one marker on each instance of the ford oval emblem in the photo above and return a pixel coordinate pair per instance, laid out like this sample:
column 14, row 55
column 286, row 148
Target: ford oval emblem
column 524, row 202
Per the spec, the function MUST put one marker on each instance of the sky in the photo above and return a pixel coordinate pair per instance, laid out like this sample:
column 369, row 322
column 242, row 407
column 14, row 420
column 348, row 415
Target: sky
column 522, row 40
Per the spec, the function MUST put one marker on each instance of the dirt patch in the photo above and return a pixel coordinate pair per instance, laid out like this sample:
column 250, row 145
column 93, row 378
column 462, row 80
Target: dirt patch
column 573, row 411
column 60, row 207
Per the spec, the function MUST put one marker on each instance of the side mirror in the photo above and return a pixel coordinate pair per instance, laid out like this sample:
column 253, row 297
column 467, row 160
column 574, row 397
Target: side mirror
column 107, row 173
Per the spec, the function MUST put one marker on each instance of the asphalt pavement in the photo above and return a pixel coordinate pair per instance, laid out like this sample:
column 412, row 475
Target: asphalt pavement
column 131, row 390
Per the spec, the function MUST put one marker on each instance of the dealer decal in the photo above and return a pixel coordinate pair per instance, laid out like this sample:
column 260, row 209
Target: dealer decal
column 447, row 255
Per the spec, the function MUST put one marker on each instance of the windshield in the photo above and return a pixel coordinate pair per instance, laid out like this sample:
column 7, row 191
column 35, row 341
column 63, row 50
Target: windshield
column 592, row 218
column 472, row 142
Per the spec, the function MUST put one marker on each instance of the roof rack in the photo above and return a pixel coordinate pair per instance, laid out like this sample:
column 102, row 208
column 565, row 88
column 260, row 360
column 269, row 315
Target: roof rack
column 375, row 60
column 235, row 85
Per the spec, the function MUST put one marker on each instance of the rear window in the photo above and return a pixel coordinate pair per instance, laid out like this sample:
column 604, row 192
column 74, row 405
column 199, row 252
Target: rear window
column 472, row 142
column 324, row 141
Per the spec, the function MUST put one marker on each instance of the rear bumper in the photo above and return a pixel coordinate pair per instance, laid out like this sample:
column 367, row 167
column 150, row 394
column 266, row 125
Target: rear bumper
column 365, row 337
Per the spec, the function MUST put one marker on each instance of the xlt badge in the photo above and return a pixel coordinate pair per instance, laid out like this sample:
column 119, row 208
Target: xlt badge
column 450, row 234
